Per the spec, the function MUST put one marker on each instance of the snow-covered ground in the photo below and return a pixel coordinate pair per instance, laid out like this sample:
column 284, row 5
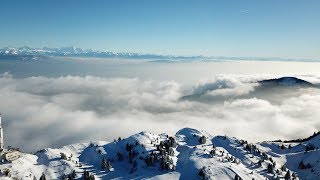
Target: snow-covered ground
column 190, row 154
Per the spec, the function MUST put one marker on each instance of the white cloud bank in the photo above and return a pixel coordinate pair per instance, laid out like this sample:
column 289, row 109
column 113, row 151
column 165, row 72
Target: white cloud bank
column 43, row 112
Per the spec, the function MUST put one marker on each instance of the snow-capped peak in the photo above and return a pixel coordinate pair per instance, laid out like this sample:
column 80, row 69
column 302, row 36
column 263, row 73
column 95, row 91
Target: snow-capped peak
column 190, row 154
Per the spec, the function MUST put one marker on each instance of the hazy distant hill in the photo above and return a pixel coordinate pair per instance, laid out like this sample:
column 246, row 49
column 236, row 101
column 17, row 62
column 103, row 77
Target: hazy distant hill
column 286, row 81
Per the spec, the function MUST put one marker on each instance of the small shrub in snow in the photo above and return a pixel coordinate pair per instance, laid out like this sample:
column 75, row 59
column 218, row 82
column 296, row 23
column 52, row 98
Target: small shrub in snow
column 310, row 147
column 63, row 156
column 101, row 150
column 303, row 166
column 6, row 172
column 202, row 140
column 212, row 153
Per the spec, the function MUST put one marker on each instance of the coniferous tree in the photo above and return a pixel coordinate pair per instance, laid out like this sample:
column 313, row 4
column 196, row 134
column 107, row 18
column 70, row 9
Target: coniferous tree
column 103, row 164
column 150, row 159
column 294, row 175
column 202, row 140
column 212, row 153
column 283, row 168
column 202, row 173
column 120, row 156
column 70, row 177
column 91, row 177
column 270, row 168
column 164, row 162
column 128, row 147
column 109, row 167
column 171, row 151
column 301, row 165
column 237, row 177
column 248, row 147
column 287, row 176
column 172, row 142
column 73, row 174
column 43, row 177
column 131, row 156
column 86, row 175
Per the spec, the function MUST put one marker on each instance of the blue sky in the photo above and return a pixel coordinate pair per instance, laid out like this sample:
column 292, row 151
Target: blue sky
column 273, row 28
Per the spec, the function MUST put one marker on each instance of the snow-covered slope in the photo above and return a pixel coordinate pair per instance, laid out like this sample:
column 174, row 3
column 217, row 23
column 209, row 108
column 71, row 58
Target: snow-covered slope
column 189, row 154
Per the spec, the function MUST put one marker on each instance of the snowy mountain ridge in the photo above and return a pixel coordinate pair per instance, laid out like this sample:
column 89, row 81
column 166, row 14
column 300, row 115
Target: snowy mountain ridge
column 28, row 53
column 189, row 154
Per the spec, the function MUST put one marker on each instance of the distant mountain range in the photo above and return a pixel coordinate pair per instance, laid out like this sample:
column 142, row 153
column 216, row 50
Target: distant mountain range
column 28, row 53
column 72, row 51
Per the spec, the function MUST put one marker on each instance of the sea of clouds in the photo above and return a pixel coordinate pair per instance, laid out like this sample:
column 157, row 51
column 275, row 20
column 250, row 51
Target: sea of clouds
column 42, row 111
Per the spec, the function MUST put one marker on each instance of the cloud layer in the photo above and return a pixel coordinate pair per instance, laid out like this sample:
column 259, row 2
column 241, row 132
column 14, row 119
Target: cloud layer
column 43, row 112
